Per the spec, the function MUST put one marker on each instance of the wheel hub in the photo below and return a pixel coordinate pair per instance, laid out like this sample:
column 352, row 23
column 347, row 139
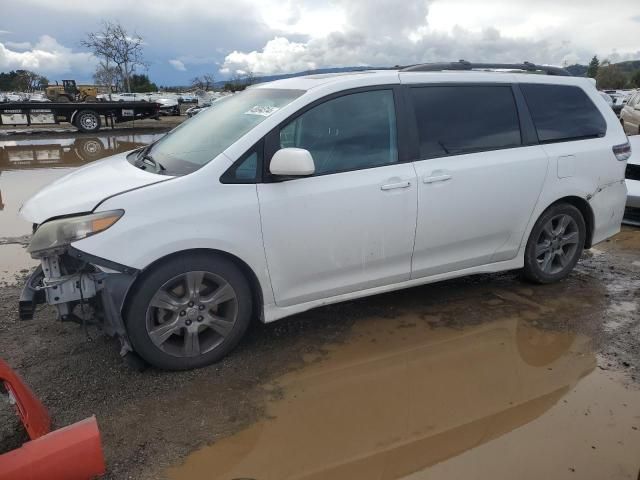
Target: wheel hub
column 557, row 244
column 191, row 314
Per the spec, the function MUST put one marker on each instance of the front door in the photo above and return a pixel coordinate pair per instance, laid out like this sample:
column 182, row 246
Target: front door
column 351, row 225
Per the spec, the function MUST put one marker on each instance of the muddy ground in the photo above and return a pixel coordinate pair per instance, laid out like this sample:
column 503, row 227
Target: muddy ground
column 583, row 336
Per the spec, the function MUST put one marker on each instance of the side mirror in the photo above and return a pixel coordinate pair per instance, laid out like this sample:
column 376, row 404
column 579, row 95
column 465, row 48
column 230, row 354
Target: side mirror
column 292, row 162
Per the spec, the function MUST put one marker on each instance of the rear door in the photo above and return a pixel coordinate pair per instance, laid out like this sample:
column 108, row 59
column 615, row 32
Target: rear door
column 479, row 175
column 351, row 225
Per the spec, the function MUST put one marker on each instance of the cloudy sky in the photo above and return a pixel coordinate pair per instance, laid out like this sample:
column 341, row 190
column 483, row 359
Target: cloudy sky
column 185, row 38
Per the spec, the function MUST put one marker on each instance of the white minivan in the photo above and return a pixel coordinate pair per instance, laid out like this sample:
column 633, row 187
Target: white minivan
column 313, row 190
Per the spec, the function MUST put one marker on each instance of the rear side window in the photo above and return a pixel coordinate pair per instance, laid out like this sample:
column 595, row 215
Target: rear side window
column 454, row 120
column 562, row 113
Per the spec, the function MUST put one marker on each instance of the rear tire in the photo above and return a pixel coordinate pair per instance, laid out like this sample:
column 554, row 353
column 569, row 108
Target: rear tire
column 189, row 311
column 555, row 244
column 88, row 121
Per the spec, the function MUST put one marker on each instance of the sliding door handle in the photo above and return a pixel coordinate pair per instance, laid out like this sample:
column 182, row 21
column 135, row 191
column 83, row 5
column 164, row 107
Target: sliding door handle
column 393, row 186
column 437, row 178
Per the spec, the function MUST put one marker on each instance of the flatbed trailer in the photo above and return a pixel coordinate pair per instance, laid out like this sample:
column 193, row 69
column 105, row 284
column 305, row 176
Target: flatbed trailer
column 85, row 116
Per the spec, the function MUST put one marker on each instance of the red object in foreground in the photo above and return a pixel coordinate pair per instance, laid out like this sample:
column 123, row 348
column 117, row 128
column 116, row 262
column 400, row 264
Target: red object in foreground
column 70, row 453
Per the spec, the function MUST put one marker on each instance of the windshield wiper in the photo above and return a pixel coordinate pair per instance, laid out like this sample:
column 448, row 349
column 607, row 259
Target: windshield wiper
column 146, row 159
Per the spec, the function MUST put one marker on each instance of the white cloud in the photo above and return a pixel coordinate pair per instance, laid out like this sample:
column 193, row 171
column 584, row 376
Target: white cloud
column 379, row 33
column 178, row 65
column 18, row 45
column 273, row 36
column 46, row 56
column 355, row 48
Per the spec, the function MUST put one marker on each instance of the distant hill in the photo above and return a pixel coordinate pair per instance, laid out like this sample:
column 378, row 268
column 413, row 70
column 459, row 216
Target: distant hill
column 577, row 70
column 627, row 67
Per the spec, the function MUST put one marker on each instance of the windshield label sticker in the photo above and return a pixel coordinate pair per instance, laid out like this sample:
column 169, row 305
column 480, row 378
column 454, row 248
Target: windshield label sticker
column 262, row 110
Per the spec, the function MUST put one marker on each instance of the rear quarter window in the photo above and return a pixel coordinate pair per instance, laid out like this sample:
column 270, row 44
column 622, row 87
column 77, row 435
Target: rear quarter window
column 563, row 113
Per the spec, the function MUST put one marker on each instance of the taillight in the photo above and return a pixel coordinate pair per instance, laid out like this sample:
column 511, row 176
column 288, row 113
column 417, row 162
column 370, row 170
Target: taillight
column 622, row 152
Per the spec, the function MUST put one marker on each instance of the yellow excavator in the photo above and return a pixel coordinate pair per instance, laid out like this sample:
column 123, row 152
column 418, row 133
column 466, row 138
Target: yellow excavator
column 70, row 92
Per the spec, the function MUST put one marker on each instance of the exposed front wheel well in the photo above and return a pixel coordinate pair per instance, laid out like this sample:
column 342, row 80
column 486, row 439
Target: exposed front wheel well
column 256, row 289
column 586, row 211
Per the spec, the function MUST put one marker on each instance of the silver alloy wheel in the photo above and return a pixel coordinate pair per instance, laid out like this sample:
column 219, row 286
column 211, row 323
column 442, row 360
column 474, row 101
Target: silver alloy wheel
column 557, row 244
column 88, row 121
column 192, row 314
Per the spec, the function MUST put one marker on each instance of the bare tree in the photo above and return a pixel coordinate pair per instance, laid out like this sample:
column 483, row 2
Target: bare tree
column 108, row 75
column 204, row 82
column 249, row 78
column 114, row 45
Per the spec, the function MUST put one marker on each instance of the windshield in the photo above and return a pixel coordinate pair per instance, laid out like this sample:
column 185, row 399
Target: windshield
column 203, row 137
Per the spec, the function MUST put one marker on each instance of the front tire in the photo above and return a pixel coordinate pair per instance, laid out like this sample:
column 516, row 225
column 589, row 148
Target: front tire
column 189, row 311
column 555, row 244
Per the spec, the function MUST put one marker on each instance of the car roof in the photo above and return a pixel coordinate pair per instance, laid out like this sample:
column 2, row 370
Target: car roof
column 381, row 77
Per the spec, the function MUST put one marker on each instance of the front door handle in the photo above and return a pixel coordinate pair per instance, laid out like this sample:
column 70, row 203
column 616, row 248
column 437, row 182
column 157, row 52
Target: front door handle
column 436, row 178
column 392, row 186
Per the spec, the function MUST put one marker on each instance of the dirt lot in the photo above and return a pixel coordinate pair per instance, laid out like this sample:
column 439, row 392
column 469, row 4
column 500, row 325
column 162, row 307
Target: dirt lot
column 481, row 377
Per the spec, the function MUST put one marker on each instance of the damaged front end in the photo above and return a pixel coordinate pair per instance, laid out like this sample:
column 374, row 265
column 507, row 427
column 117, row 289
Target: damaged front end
column 70, row 453
column 83, row 288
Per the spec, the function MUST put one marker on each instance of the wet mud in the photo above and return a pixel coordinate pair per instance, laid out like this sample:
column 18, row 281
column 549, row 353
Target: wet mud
column 479, row 377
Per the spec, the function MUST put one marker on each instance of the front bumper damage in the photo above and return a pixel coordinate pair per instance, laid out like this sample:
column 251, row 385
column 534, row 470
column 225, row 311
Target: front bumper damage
column 70, row 453
column 70, row 279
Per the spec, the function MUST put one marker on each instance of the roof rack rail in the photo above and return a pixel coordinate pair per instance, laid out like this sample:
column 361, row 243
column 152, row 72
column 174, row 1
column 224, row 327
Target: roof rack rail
column 465, row 65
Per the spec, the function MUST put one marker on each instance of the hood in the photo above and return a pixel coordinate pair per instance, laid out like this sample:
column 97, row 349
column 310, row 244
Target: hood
column 81, row 190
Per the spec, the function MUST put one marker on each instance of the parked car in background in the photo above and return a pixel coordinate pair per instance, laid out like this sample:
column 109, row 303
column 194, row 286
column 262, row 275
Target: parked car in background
column 632, row 176
column 123, row 97
column 630, row 114
column 607, row 98
column 188, row 98
column 197, row 109
column 319, row 189
column 38, row 97
column 14, row 97
column 168, row 106
column 620, row 98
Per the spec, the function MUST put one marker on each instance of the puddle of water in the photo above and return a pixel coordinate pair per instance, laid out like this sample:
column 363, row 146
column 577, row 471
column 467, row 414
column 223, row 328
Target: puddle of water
column 401, row 396
column 627, row 239
column 594, row 432
column 28, row 165
column 13, row 260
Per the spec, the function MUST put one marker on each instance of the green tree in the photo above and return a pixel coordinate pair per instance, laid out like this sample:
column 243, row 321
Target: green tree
column 635, row 79
column 610, row 76
column 140, row 83
column 594, row 65
column 22, row 80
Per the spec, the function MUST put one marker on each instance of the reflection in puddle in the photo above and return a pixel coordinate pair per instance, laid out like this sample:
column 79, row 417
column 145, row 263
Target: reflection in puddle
column 28, row 165
column 13, row 260
column 398, row 397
